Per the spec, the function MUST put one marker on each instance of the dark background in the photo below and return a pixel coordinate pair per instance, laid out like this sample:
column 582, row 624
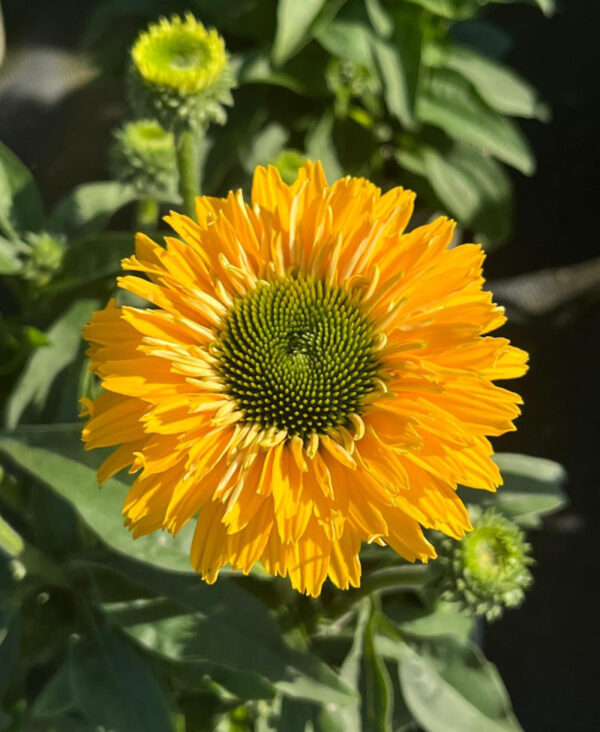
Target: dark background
column 548, row 651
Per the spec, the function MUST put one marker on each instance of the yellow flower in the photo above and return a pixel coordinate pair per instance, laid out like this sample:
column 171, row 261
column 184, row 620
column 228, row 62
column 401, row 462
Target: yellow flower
column 309, row 377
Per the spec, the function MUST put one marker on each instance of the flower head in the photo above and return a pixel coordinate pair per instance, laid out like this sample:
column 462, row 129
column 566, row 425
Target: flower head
column 143, row 155
column 309, row 377
column 487, row 570
column 180, row 73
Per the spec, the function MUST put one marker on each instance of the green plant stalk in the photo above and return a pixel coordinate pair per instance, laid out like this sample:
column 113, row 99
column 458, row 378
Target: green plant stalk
column 146, row 214
column 189, row 174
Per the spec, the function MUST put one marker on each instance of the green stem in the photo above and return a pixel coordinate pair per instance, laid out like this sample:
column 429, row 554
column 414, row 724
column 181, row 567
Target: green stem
column 146, row 215
column 187, row 163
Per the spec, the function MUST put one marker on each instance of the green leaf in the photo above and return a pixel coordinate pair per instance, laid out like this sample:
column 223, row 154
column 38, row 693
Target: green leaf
column 10, row 542
column 88, row 208
column 46, row 363
column 293, row 23
column 378, row 696
column 93, row 258
column 21, row 206
column 113, row 686
column 399, row 61
column 435, row 619
column 472, row 187
column 56, row 697
column 320, row 146
column 499, row 86
column 349, row 36
column 548, row 7
column 452, row 9
column 264, row 146
column 9, row 646
column 54, row 455
column 533, row 488
column 9, row 260
column 227, row 626
column 447, row 681
column 450, row 102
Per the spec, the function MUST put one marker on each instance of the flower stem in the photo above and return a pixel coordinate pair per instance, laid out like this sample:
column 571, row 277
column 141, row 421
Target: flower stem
column 146, row 215
column 187, row 163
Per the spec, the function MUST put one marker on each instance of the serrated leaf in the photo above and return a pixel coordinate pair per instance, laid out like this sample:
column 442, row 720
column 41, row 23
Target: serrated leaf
column 450, row 102
column 293, row 22
column 89, row 207
column 34, row 384
column 113, row 686
column 54, row 455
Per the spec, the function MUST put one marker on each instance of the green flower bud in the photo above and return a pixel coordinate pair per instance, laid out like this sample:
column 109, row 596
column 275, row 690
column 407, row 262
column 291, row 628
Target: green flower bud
column 289, row 162
column 143, row 155
column 180, row 74
column 44, row 257
column 487, row 570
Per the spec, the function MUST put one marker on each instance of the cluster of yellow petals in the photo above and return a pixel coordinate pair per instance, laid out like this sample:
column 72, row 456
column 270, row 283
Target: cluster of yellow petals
column 302, row 508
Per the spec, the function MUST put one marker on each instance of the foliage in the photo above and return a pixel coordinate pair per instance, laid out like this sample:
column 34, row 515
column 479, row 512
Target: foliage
column 99, row 631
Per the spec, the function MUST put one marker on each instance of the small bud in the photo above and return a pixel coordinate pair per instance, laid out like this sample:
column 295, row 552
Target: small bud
column 143, row 156
column 487, row 570
column 44, row 257
column 180, row 74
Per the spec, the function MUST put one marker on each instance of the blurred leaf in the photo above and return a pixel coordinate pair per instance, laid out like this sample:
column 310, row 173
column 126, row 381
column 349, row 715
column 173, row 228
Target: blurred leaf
column 89, row 207
column 378, row 696
column 399, row 60
column 265, row 146
column 451, row 103
column 293, row 22
column 349, row 36
column 56, row 697
column 320, row 146
column 255, row 68
column 9, row 260
column 113, row 686
column 68, row 473
column 11, row 542
column 91, row 259
column 9, row 646
column 54, row 521
column 548, row 7
column 484, row 37
column 499, row 86
column 453, row 9
column 228, row 627
column 473, row 187
column 21, row 206
column 447, row 680
column 380, row 19
column 533, row 488
column 47, row 362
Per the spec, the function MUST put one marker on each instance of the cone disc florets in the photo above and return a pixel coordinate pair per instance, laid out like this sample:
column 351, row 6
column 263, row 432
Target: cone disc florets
column 297, row 355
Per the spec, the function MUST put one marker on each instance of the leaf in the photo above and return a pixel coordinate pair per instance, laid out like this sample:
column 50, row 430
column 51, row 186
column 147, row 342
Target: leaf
column 54, row 455
column 452, row 9
column 533, row 488
column 447, row 681
column 451, row 103
column 9, row 260
column 320, row 146
column 88, row 208
column 499, row 86
column 46, row 363
column 472, row 187
column 399, row 61
column 93, row 258
column 349, row 36
column 113, row 686
column 56, row 697
column 21, row 206
column 9, row 646
column 265, row 146
column 227, row 626
column 294, row 19
column 378, row 696
column 11, row 543
column 414, row 618
column 548, row 7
